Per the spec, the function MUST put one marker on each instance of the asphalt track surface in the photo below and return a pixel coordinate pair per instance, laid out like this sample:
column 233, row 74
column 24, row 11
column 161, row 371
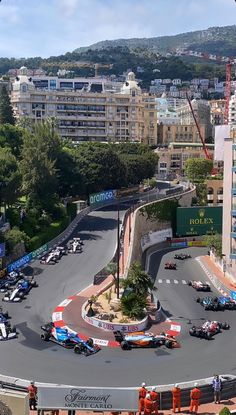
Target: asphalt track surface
column 28, row 357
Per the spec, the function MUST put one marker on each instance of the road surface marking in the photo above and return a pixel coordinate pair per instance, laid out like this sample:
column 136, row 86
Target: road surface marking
column 160, row 281
column 184, row 282
column 176, row 281
column 168, row 281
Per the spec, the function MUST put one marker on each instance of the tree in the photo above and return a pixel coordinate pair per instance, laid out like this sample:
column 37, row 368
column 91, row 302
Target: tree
column 37, row 166
column 138, row 280
column 111, row 268
column 197, row 169
column 225, row 411
column 10, row 179
column 214, row 241
column 11, row 136
column 6, row 111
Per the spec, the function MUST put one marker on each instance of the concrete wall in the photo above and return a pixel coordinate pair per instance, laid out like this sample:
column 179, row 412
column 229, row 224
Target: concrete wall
column 142, row 225
column 13, row 402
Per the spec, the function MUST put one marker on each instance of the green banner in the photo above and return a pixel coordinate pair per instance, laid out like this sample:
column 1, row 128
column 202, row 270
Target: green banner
column 105, row 196
column 39, row 251
column 199, row 220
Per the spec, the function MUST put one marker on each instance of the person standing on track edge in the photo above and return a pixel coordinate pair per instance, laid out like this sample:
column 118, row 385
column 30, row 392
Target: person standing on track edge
column 32, row 390
column 195, row 395
column 176, row 398
column 148, row 405
column 217, row 387
column 141, row 396
column 154, row 398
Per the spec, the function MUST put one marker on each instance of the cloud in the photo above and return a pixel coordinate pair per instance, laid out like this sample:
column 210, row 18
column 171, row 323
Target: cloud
column 10, row 14
column 67, row 7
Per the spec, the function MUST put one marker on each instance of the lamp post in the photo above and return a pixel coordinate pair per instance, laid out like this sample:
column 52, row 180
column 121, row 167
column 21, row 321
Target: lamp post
column 118, row 250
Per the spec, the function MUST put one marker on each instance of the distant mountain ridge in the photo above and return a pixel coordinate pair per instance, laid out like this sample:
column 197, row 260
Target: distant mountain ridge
column 214, row 40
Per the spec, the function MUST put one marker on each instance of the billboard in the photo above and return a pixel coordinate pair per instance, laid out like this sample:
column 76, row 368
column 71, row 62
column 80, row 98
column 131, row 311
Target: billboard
column 199, row 220
column 87, row 399
column 105, row 196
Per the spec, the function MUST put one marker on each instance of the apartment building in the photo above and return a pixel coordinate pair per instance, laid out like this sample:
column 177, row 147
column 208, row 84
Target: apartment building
column 179, row 133
column 229, row 202
column 172, row 158
column 201, row 110
column 232, row 110
column 87, row 109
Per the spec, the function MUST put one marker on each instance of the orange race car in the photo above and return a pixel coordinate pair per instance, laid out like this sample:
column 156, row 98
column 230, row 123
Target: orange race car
column 145, row 339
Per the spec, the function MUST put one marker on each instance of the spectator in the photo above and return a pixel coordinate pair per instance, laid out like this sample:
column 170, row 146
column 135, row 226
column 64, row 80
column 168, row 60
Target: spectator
column 176, row 397
column 32, row 390
column 217, row 387
column 141, row 396
column 195, row 395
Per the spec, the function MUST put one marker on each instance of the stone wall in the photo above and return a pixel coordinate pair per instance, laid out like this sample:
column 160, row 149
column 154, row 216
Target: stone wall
column 142, row 225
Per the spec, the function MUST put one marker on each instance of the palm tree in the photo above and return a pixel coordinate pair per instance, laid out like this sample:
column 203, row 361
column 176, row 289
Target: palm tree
column 138, row 280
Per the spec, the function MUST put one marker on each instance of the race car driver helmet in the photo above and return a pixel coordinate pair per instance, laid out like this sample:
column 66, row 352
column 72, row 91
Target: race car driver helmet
column 32, row 382
column 143, row 384
column 176, row 385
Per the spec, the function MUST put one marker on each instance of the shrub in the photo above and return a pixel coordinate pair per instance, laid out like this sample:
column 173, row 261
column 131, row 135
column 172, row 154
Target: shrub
column 132, row 305
column 14, row 236
column 225, row 411
column 13, row 216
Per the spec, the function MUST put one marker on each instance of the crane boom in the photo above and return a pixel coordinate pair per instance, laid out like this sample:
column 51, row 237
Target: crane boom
column 208, row 156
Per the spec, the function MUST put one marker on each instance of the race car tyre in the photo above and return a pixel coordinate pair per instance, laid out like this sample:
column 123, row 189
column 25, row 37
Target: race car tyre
column 162, row 334
column 225, row 326
column 78, row 349
column 125, row 345
column 192, row 331
column 34, row 284
column 190, row 283
column 6, row 314
column 45, row 337
column 198, row 300
column 208, row 335
column 13, row 329
column 169, row 344
column 90, row 342
column 21, row 295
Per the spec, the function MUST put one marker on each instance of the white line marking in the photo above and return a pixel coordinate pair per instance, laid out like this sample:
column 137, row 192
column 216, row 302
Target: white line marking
column 176, row 281
column 184, row 282
column 167, row 281
column 160, row 281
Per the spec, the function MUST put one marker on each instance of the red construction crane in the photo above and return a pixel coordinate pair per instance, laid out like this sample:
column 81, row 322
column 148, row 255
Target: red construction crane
column 206, row 152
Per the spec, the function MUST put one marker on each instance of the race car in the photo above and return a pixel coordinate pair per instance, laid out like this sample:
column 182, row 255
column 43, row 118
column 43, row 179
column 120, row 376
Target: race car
column 216, row 303
column 3, row 316
column 7, row 332
column 51, row 258
column 59, row 251
column 170, row 265
column 75, row 246
column 200, row 286
column 208, row 329
column 182, row 256
column 68, row 340
column 18, row 293
column 11, row 279
column 144, row 339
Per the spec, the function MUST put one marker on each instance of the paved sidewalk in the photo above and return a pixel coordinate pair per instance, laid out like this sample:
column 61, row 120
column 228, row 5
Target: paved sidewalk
column 223, row 278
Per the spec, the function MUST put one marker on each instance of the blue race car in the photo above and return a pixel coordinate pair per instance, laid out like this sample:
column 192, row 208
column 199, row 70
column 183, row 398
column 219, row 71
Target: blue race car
column 11, row 279
column 210, row 303
column 18, row 293
column 68, row 340
column 227, row 302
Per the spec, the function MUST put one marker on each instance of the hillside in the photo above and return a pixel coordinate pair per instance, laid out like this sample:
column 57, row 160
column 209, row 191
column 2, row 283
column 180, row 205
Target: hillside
column 215, row 40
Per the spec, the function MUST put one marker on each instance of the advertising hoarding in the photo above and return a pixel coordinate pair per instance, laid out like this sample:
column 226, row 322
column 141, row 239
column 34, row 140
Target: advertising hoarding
column 199, row 220
column 91, row 399
column 101, row 197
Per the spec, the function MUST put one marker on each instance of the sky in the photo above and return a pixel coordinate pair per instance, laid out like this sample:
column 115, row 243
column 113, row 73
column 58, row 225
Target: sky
column 52, row 27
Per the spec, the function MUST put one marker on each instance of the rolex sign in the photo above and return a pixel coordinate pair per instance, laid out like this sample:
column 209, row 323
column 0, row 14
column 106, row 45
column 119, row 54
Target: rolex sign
column 199, row 220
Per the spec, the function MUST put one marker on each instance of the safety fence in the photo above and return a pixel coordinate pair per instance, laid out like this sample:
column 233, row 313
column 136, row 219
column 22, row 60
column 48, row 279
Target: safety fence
column 117, row 399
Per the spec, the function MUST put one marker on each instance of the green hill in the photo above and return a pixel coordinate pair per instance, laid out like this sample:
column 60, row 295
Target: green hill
column 215, row 40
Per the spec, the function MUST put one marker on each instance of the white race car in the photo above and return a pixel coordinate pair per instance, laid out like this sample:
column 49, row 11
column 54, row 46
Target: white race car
column 7, row 332
column 200, row 286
